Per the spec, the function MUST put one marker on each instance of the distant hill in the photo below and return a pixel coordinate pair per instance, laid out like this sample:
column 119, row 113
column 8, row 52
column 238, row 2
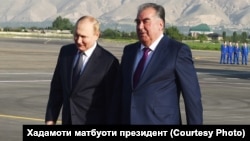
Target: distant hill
column 121, row 13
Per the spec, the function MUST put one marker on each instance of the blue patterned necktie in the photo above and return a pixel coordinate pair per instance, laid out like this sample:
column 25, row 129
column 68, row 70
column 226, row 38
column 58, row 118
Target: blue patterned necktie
column 78, row 67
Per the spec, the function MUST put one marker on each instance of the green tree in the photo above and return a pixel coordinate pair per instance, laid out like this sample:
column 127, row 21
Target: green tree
column 62, row 24
column 174, row 33
column 109, row 33
column 125, row 35
column 133, row 35
column 234, row 37
column 243, row 37
column 224, row 35
column 202, row 37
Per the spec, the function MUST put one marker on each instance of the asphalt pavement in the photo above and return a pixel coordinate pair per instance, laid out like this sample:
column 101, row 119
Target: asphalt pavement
column 27, row 65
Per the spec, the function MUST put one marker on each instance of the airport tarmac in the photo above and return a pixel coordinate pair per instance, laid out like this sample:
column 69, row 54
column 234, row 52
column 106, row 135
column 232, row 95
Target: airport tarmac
column 27, row 65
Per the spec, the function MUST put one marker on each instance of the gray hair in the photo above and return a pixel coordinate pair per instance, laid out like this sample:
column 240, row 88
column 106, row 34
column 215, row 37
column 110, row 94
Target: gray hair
column 160, row 11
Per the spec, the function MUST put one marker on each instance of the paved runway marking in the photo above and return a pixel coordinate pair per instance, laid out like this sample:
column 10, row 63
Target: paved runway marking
column 210, row 78
column 20, row 117
column 232, row 78
column 23, row 81
column 219, row 73
column 45, row 42
column 23, row 73
column 24, row 118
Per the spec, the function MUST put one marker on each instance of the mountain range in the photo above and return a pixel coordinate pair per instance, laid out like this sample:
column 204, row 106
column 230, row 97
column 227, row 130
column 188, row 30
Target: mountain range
column 119, row 13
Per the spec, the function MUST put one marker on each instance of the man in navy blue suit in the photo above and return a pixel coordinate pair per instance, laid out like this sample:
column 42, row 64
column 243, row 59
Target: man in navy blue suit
column 168, row 73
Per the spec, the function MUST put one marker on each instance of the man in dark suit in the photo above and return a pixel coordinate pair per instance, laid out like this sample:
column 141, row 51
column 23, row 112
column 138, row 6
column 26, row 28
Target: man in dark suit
column 84, row 99
column 168, row 73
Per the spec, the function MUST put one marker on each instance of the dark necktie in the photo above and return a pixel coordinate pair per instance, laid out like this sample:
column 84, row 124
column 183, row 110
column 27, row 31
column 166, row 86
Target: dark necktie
column 140, row 67
column 78, row 67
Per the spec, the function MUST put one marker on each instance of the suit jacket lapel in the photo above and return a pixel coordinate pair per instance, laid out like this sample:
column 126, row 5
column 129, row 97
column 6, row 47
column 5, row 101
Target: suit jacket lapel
column 131, row 63
column 70, row 66
column 89, row 67
column 153, row 65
